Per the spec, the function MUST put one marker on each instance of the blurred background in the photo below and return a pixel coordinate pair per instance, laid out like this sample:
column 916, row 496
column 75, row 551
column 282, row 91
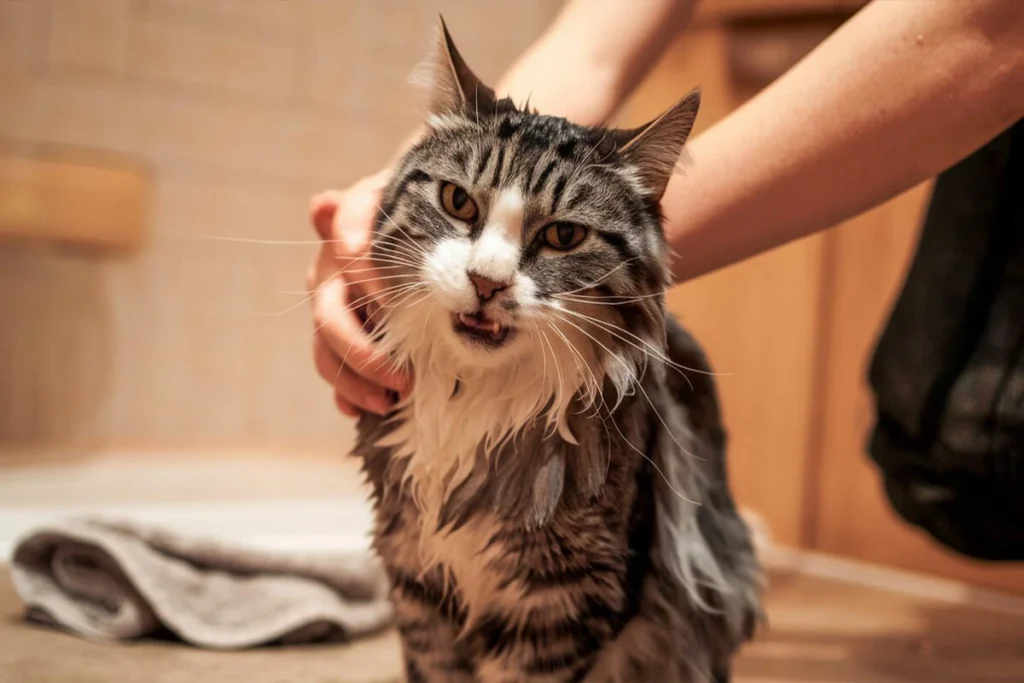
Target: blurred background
column 154, row 344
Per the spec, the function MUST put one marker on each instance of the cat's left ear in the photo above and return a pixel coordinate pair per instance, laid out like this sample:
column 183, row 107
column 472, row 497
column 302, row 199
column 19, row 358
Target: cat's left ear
column 455, row 89
column 654, row 149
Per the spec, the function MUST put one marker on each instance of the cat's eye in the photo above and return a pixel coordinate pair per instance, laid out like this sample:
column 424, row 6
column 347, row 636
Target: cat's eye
column 564, row 236
column 457, row 202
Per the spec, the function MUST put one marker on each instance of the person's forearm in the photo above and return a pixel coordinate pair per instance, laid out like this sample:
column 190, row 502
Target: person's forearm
column 593, row 56
column 903, row 91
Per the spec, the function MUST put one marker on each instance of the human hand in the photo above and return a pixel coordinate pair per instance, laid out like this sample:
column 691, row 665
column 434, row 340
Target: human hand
column 343, row 282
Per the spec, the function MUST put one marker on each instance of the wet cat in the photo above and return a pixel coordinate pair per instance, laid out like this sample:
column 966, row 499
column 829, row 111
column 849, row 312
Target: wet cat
column 551, row 499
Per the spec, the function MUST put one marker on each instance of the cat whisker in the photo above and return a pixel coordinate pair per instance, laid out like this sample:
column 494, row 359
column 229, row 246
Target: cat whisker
column 591, row 387
column 610, row 300
column 602, row 278
column 646, row 457
column 636, row 382
column 543, row 356
column 594, row 397
column 387, row 258
column 659, row 353
column 552, row 424
column 664, row 477
column 390, row 260
column 373, row 296
column 678, row 493
column 304, row 292
column 383, row 255
column 395, row 303
column 407, row 240
column 384, row 357
column 407, row 245
column 271, row 242
column 309, row 294
column 402, row 230
column 390, row 249
column 387, row 251
column 650, row 352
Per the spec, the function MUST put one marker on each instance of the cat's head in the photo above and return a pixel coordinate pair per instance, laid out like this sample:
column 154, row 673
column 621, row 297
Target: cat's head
column 511, row 240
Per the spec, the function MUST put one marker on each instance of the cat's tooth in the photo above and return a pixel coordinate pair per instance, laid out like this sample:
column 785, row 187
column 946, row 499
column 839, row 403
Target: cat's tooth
column 465, row 320
column 495, row 328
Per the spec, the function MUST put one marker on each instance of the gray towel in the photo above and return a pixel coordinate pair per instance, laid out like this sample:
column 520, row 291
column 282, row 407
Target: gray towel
column 118, row 581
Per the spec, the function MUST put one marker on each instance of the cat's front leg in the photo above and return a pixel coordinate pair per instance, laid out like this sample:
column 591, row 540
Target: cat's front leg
column 551, row 647
column 428, row 626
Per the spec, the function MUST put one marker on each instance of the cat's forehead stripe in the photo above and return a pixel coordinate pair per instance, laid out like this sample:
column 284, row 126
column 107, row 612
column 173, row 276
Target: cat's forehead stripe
column 496, row 178
column 543, row 178
column 482, row 166
column 556, row 195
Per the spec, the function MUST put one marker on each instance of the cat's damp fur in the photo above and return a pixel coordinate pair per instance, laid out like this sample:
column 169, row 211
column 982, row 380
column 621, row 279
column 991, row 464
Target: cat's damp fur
column 555, row 508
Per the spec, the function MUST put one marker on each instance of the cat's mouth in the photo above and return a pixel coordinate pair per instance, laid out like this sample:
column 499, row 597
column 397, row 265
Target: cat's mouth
column 478, row 328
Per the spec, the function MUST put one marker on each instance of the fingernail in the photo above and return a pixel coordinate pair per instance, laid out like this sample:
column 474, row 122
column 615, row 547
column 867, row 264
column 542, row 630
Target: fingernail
column 381, row 405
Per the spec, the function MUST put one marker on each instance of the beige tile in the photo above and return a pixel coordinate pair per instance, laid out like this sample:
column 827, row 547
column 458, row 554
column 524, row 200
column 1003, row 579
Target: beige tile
column 88, row 34
column 197, row 352
column 363, row 54
column 353, row 61
column 195, row 203
column 163, row 125
column 17, row 34
column 227, row 55
column 280, row 14
column 53, row 307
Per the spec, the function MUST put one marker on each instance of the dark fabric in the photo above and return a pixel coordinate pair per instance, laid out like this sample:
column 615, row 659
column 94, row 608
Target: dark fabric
column 948, row 372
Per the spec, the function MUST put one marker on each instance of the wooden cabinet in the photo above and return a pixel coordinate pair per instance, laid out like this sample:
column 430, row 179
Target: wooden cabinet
column 791, row 331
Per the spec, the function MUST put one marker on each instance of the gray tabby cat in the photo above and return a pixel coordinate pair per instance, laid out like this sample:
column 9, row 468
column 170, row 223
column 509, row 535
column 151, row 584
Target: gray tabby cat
column 551, row 499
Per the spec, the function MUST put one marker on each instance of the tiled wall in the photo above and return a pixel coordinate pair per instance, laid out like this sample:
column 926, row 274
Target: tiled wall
column 242, row 108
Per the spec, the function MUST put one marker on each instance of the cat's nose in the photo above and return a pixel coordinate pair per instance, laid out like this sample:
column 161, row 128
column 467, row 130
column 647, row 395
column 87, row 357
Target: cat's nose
column 485, row 287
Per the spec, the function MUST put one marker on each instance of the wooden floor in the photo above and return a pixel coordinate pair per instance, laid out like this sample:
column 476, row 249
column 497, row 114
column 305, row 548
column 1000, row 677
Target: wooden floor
column 822, row 632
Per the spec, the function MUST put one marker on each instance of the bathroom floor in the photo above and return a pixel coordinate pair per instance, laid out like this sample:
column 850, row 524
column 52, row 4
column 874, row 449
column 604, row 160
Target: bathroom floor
column 821, row 631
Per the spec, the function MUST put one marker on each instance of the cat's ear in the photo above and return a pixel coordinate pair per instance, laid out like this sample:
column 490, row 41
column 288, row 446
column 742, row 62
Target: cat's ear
column 454, row 88
column 654, row 148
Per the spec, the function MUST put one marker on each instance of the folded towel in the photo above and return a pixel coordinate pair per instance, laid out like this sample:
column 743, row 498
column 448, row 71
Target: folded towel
column 118, row 581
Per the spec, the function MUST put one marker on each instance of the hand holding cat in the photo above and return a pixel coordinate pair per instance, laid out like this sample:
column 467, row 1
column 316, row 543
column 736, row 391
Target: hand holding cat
column 340, row 277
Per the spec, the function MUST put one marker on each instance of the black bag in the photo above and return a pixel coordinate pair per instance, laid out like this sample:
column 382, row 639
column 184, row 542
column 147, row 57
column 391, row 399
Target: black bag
column 948, row 372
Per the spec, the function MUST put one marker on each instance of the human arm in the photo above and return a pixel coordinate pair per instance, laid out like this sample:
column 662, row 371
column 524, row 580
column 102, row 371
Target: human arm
column 592, row 57
column 901, row 92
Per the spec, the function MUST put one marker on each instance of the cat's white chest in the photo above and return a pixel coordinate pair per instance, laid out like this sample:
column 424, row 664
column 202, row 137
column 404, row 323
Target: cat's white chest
column 442, row 441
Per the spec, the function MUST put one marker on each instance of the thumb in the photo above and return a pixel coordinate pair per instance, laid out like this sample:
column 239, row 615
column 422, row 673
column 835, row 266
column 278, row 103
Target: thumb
column 353, row 224
column 322, row 210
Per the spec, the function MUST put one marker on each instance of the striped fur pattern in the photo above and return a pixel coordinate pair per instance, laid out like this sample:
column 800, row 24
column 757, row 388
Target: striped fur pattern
column 551, row 498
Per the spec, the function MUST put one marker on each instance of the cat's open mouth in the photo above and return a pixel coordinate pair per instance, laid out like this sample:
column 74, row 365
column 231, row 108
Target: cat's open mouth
column 478, row 328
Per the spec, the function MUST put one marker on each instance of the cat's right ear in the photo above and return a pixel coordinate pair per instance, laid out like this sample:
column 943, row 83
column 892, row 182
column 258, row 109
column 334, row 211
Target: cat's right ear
column 653, row 149
column 454, row 88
